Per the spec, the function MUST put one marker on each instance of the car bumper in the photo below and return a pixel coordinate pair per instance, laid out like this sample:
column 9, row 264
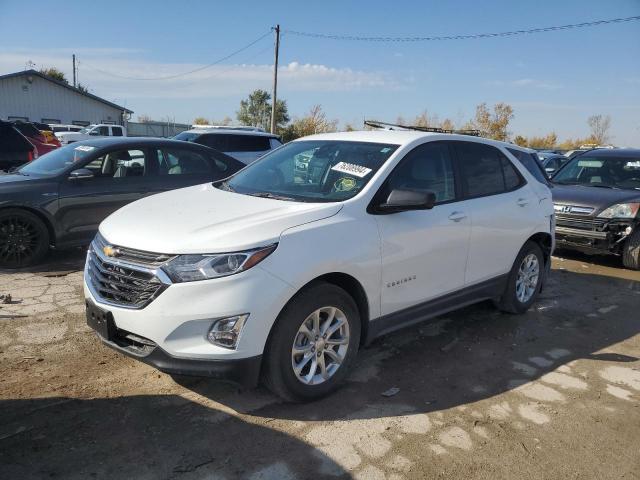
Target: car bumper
column 609, row 238
column 173, row 328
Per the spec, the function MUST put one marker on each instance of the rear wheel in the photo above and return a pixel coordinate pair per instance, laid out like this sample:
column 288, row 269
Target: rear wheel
column 313, row 344
column 24, row 239
column 525, row 278
column 631, row 251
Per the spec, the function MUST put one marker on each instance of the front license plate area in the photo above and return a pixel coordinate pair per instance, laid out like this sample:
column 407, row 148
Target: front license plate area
column 101, row 321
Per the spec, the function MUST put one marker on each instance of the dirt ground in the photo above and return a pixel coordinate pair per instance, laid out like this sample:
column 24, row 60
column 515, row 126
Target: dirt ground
column 554, row 393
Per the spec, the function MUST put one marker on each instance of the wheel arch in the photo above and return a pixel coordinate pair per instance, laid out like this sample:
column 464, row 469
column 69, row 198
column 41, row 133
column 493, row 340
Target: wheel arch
column 43, row 217
column 545, row 242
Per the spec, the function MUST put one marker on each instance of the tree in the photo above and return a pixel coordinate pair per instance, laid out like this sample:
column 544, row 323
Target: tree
column 447, row 124
column 600, row 126
column 256, row 111
column 55, row 74
column 493, row 125
column 200, row 121
column 314, row 122
column 144, row 118
column 82, row 88
column 520, row 140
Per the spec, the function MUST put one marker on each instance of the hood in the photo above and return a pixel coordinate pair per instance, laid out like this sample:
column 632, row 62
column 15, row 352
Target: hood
column 14, row 178
column 594, row 197
column 204, row 219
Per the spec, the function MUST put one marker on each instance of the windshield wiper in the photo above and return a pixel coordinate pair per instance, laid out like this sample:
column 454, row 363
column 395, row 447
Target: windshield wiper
column 226, row 187
column 271, row 195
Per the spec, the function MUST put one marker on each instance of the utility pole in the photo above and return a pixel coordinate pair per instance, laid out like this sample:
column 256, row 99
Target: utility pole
column 275, row 81
column 74, row 70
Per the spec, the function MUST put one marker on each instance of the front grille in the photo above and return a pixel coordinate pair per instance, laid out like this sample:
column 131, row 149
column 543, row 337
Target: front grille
column 134, row 256
column 121, row 285
column 583, row 223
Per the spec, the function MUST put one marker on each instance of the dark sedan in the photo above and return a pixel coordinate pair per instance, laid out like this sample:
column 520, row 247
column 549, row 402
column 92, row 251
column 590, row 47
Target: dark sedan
column 60, row 199
column 597, row 203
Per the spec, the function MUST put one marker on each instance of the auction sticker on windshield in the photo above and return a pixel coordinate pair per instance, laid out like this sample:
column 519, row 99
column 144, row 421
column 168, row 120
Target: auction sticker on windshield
column 352, row 169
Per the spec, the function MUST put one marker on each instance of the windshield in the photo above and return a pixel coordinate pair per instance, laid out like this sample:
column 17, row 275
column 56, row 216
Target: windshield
column 312, row 171
column 57, row 161
column 612, row 172
column 187, row 137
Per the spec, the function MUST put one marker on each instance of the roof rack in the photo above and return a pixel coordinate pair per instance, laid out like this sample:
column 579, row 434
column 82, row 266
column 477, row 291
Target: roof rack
column 390, row 126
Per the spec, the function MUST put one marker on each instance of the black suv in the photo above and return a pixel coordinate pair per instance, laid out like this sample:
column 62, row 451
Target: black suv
column 61, row 198
column 597, row 202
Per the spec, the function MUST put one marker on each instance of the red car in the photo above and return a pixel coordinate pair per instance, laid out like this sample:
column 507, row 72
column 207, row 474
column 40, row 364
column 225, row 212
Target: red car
column 15, row 149
column 36, row 137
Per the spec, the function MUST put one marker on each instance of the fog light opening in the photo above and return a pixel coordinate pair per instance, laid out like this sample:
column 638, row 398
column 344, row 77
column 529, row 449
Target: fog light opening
column 226, row 331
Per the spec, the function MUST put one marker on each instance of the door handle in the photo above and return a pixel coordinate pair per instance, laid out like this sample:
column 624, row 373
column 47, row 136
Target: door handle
column 457, row 216
column 523, row 202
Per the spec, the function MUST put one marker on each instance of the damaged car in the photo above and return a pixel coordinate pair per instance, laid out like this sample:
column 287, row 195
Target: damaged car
column 596, row 200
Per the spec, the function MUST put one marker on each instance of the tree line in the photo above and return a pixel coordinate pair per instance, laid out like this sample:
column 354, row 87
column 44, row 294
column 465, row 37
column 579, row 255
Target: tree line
column 492, row 122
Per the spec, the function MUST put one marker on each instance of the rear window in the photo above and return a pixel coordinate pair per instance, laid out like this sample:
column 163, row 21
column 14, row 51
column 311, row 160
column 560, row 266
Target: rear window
column 248, row 143
column 529, row 162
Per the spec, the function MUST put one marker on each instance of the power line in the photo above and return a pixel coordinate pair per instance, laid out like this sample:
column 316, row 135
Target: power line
column 462, row 37
column 168, row 77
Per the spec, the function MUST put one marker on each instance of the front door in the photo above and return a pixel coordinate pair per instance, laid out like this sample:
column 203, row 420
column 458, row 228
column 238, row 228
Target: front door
column 119, row 177
column 424, row 252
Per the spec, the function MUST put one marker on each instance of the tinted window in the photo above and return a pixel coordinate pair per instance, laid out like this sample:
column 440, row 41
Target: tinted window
column 217, row 142
column 512, row 179
column 248, row 143
column 481, row 169
column 427, row 167
column 529, row 162
column 116, row 131
column 103, row 131
column 172, row 161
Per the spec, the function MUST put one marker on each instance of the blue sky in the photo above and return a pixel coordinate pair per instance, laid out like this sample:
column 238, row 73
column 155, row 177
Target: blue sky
column 553, row 80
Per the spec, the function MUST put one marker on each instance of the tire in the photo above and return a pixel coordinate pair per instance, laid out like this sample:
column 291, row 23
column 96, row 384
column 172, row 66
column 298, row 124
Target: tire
column 631, row 251
column 24, row 238
column 278, row 373
column 511, row 301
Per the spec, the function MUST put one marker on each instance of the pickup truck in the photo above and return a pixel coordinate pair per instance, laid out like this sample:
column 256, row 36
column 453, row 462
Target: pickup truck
column 92, row 131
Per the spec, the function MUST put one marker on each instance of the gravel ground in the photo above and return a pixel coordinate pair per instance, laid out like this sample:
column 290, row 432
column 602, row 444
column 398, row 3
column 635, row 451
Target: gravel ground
column 554, row 393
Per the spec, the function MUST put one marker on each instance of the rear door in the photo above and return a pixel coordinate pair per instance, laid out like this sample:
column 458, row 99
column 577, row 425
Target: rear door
column 502, row 208
column 121, row 176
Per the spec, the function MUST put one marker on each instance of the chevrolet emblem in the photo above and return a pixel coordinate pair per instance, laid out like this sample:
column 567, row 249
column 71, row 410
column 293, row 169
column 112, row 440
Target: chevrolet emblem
column 109, row 251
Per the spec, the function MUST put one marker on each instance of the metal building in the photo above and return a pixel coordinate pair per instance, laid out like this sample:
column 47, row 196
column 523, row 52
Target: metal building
column 32, row 96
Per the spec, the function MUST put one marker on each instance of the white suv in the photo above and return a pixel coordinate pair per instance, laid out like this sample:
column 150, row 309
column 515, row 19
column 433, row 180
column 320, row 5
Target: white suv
column 284, row 273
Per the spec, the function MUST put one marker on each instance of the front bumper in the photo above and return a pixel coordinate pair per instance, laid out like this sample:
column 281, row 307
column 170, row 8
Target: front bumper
column 599, row 236
column 242, row 371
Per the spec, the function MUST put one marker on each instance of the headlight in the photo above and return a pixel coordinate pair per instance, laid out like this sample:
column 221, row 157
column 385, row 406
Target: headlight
column 621, row 210
column 189, row 268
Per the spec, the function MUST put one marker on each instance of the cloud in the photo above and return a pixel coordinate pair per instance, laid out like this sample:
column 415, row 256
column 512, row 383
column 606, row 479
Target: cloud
column 525, row 83
column 216, row 81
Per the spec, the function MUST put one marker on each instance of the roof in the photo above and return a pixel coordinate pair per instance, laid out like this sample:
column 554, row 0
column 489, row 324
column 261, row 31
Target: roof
column 65, row 85
column 125, row 142
column 230, row 130
column 612, row 152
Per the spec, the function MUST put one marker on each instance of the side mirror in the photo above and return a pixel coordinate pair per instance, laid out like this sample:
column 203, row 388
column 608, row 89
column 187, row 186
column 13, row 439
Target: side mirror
column 81, row 174
column 400, row 200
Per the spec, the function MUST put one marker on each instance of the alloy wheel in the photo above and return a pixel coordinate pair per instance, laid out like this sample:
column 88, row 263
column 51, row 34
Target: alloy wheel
column 320, row 345
column 527, row 279
column 18, row 240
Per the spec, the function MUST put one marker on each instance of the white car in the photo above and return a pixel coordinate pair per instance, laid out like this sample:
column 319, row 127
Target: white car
column 284, row 274
column 92, row 131
column 246, row 144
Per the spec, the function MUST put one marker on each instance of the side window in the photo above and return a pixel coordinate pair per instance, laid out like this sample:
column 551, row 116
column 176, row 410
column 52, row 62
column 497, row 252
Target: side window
column 215, row 141
column 119, row 164
column 481, row 168
column 103, row 131
column 529, row 162
column 116, row 131
column 181, row 162
column 427, row 167
column 275, row 143
column 512, row 179
column 248, row 143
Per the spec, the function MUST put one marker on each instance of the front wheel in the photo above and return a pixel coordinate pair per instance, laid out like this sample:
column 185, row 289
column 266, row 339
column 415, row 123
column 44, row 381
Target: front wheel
column 313, row 344
column 525, row 278
column 631, row 251
column 24, row 239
